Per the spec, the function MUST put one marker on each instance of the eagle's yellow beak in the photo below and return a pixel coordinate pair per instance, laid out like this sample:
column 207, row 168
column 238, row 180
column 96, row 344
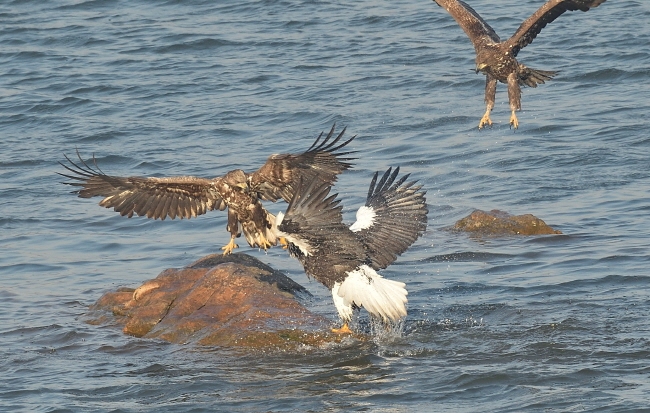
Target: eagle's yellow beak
column 480, row 67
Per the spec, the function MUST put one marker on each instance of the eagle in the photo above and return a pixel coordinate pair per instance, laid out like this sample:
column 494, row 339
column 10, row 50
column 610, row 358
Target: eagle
column 240, row 192
column 346, row 258
column 497, row 59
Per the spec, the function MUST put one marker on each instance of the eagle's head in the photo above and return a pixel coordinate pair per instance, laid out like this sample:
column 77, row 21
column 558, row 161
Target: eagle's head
column 481, row 67
column 483, row 59
column 236, row 179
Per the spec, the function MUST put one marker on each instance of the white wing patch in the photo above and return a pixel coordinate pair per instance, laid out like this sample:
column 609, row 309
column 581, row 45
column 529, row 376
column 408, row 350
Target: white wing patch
column 304, row 246
column 379, row 296
column 365, row 219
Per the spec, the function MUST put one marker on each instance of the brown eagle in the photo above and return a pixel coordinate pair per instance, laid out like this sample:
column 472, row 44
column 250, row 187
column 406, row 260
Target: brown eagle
column 346, row 258
column 497, row 59
column 240, row 192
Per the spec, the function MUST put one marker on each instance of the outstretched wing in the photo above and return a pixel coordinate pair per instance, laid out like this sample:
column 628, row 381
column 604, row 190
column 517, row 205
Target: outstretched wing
column 550, row 11
column 394, row 216
column 312, row 216
column 279, row 176
column 313, row 224
column 477, row 29
column 183, row 196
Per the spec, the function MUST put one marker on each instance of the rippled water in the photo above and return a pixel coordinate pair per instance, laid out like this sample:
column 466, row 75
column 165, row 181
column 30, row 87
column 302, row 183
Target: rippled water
column 552, row 323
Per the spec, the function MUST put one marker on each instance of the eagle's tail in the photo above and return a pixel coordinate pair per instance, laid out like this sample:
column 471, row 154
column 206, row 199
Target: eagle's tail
column 532, row 77
column 269, row 231
column 260, row 233
column 363, row 287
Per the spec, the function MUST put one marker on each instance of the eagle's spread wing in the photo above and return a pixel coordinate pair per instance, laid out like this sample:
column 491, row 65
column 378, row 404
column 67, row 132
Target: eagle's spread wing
column 477, row 29
column 550, row 11
column 394, row 216
column 183, row 196
column 279, row 176
column 312, row 215
column 313, row 223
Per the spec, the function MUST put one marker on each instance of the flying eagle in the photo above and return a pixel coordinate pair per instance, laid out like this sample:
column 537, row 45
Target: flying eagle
column 240, row 192
column 346, row 259
column 497, row 59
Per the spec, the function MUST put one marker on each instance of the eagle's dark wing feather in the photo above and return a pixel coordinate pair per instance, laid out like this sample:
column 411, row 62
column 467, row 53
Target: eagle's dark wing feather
column 550, row 11
column 399, row 217
column 312, row 214
column 183, row 196
column 279, row 176
column 477, row 29
column 313, row 219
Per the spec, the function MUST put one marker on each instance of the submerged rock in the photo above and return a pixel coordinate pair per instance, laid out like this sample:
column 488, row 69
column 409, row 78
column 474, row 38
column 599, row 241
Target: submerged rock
column 501, row 223
column 233, row 300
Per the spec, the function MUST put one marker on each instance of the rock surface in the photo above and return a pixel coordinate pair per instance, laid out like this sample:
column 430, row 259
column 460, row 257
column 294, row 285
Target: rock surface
column 233, row 301
column 500, row 223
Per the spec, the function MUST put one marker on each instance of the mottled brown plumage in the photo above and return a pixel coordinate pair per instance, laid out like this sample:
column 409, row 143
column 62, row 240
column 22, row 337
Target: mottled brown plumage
column 497, row 59
column 241, row 193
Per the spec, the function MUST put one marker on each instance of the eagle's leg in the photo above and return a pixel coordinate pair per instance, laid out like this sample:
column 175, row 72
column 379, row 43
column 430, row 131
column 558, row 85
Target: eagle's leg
column 514, row 97
column 233, row 228
column 485, row 120
column 263, row 242
column 283, row 242
column 345, row 310
column 345, row 329
column 490, row 93
column 514, row 123
column 230, row 246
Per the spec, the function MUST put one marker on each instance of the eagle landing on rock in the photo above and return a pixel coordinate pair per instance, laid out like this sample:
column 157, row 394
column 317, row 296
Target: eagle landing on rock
column 240, row 192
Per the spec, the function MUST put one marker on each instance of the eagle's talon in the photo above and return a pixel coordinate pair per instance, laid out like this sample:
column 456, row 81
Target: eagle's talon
column 227, row 249
column 485, row 120
column 264, row 243
column 345, row 329
column 514, row 122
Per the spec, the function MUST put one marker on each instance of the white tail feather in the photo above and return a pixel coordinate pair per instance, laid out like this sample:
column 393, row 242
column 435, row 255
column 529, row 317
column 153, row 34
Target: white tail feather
column 379, row 296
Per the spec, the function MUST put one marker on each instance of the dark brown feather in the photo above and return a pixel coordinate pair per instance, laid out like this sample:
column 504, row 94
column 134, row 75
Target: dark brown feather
column 550, row 11
column 144, row 196
column 477, row 29
column 400, row 218
column 315, row 217
column 279, row 176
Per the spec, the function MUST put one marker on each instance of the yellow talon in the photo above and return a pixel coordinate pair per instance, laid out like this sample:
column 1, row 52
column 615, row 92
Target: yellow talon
column 264, row 243
column 283, row 242
column 485, row 120
column 513, row 120
column 345, row 329
column 227, row 249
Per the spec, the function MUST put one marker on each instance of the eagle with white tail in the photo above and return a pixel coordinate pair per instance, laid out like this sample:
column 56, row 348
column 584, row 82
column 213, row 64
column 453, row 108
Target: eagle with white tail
column 346, row 258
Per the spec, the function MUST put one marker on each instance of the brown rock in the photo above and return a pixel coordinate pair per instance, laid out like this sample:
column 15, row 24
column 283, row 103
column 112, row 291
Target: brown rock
column 500, row 223
column 234, row 300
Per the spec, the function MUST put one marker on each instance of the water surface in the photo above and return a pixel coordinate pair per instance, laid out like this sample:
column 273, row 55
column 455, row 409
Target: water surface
column 551, row 323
